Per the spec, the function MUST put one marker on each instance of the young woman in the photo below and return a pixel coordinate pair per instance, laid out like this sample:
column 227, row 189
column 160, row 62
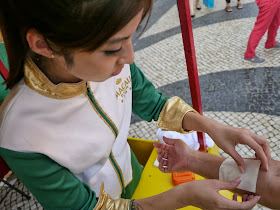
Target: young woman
column 64, row 125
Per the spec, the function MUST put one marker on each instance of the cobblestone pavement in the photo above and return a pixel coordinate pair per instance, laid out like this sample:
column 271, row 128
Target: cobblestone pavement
column 233, row 92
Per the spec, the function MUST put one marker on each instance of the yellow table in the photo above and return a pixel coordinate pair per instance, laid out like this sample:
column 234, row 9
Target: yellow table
column 153, row 181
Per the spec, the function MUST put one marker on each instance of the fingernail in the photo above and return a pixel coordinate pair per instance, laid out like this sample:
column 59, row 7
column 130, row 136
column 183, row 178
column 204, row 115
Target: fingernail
column 241, row 169
column 258, row 198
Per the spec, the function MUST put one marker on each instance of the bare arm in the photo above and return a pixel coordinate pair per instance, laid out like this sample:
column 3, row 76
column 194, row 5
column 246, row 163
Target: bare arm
column 268, row 183
column 190, row 193
column 207, row 165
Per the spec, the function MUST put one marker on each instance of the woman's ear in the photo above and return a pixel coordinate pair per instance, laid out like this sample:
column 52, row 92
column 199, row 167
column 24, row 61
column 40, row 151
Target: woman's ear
column 38, row 44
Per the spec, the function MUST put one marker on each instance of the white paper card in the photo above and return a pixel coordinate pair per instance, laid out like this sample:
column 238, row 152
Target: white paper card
column 229, row 171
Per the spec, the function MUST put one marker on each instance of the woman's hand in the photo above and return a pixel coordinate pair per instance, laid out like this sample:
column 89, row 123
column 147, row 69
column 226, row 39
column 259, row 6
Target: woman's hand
column 227, row 137
column 205, row 195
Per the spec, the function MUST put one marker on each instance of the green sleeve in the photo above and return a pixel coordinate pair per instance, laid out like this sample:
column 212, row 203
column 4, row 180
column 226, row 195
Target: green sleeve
column 146, row 101
column 4, row 59
column 54, row 186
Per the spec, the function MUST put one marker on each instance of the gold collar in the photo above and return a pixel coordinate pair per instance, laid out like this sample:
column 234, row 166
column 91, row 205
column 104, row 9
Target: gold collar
column 37, row 81
column 1, row 38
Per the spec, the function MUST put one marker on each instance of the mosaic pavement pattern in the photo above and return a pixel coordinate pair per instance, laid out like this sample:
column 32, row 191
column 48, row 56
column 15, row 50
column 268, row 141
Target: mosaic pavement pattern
column 233, row 92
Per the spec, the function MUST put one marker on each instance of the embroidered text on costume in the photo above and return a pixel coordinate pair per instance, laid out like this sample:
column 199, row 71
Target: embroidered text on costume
column 123, row 88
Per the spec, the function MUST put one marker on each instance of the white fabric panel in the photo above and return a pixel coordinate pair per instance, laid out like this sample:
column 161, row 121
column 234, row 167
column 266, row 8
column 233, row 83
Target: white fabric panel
column 70, row 132
column 111, row 182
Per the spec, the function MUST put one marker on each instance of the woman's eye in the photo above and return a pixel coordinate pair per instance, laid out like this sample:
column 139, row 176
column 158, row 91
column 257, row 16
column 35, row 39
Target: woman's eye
column 112, row 52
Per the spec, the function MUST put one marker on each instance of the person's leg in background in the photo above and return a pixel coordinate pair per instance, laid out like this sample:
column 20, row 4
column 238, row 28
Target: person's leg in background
column 197, row 5
column 239, row 5
column 273, row 28
column 266, row 14
column 228, row 7
column 192, row 8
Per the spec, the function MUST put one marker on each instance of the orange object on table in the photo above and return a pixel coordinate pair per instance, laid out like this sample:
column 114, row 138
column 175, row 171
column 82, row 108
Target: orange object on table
column 179, row 178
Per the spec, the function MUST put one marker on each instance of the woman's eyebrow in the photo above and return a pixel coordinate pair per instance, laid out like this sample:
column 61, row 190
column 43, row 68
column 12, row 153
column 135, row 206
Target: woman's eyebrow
column 116, row 40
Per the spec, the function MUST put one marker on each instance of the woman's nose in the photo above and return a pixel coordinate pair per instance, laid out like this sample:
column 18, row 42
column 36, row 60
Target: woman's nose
column 127, row 56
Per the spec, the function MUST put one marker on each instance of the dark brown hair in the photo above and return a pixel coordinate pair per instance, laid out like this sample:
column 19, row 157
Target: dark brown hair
column 66, row 25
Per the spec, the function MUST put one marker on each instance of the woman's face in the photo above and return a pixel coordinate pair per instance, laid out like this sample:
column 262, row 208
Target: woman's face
column 106, row 61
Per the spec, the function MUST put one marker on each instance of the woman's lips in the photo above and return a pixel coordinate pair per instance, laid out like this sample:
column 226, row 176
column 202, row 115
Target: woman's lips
column 118, row 71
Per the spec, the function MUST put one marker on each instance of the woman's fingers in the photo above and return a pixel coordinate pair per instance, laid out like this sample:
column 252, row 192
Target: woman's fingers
column 265, row 148
column 234, row 197
column 259, row 151
column 250, row 197
column 229, row 185
column 238, row 159
column 244, row 197
column 264, row 144
column 248, row 203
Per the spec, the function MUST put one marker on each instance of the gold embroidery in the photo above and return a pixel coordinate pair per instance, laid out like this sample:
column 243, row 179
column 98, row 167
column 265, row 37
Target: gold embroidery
column 37, row 81
column 123, row 88
column 118, row 81
column 172, row 114
column 105, row 202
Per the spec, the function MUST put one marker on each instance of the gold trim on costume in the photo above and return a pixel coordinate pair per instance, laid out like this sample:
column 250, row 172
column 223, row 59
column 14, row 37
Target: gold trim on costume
column 120, row 178
column 106, row 202
column 100, row 114
column 38, row 82
column 111, row 121
column 172, row 114
column 1, row 38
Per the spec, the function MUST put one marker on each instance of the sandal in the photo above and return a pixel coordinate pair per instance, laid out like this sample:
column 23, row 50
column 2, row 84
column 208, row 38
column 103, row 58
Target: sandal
column 239, row 5
column 228, row 9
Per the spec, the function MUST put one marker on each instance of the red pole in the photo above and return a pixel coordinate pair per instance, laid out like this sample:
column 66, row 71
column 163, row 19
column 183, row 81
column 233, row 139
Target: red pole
column 3, row 70
column 187, row 34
